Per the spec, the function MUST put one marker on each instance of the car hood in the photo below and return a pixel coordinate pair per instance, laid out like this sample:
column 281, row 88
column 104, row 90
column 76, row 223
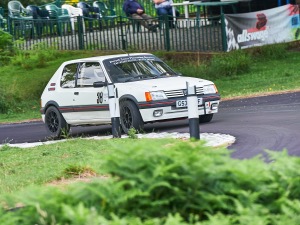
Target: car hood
column 167, row 83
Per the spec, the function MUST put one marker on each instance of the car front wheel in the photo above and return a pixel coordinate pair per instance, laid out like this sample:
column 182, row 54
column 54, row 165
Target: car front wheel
column 205, row 118
column 130, row 116
column 56, row 125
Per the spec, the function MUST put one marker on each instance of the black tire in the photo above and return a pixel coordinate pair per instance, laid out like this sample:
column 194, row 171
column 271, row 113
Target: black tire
column 205, row 118
column 56, row 125
column 130, row 117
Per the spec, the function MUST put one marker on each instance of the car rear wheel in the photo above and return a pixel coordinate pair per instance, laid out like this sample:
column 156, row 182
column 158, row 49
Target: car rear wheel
column 205, row 118
column 130, row 117
column 56, row 125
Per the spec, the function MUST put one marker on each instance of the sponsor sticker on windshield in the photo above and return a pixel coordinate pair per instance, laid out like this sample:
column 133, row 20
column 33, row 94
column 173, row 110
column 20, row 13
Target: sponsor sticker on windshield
column 132, row 59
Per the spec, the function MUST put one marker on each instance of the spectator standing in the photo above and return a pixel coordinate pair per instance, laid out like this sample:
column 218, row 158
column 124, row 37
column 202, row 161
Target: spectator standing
column 164, row 8
column 136, row 11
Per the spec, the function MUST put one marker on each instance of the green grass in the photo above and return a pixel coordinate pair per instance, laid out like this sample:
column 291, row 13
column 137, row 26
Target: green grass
column 20, row 168
column 263, row 77
column 24, row 115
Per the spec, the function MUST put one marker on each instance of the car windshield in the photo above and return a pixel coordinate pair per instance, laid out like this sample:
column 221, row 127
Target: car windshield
column 129, row 69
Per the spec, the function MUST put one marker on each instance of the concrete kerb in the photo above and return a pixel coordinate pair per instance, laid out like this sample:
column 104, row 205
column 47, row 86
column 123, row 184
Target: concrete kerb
column 210, row 139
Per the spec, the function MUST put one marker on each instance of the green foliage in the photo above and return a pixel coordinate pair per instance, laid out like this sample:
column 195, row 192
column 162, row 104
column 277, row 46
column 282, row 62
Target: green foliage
column 77, row 170
column 132, row 133
column 234, row 63
column 229, row 64
column 4, row 104
column 6, row 41
column 36, row 58
column 185, row 183
column 6, row 47
column 220, row 66
column 267, row 52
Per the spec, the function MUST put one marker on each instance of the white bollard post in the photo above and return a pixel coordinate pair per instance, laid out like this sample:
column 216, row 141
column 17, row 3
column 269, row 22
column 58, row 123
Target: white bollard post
column 192, row 104
column 114, row 110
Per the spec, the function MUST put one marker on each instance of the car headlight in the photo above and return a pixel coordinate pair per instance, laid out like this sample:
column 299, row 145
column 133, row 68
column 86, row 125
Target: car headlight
column 210, row 89
column 155, row 95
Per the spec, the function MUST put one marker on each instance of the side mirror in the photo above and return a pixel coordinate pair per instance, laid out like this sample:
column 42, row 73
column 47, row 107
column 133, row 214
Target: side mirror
column 99, row 84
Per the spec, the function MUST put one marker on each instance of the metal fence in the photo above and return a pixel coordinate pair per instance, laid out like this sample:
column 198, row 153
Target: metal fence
column 117, row 5
column 119, row 33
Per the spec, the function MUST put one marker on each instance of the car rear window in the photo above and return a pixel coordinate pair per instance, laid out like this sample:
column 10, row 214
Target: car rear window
column 68, row 76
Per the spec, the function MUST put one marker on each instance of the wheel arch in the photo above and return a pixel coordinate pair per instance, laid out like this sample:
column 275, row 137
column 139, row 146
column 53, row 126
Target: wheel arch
column 48, row 104
column 129, row 98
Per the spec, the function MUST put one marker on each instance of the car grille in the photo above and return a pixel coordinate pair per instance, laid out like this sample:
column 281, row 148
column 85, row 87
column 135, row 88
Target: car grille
column 182, row 92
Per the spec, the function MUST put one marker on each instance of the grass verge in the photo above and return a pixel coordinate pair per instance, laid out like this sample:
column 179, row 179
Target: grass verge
column 62, row 160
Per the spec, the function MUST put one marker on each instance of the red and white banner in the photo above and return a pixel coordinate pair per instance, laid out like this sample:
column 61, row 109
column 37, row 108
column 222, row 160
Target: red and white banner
column 277, row 25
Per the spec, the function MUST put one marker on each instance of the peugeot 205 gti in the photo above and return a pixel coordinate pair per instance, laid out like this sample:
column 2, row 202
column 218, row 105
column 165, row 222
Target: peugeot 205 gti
column 148, row 91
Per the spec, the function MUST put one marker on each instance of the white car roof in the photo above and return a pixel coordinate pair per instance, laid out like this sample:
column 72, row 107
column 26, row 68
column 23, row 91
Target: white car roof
column 103, row 57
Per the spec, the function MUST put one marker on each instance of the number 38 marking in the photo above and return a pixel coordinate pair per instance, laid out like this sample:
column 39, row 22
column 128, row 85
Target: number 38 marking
column 99, row 97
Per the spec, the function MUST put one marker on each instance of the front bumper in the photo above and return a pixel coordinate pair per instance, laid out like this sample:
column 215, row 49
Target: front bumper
column 167, row 108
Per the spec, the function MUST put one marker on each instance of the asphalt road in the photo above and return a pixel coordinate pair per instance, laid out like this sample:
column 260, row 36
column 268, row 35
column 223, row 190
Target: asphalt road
column 267, row 122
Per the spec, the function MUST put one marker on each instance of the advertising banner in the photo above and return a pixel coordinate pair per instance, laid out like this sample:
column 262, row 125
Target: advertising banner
column 270, row 26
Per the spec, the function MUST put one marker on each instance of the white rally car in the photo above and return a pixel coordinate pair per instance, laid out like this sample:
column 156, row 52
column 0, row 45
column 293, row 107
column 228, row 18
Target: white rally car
column 148, row 90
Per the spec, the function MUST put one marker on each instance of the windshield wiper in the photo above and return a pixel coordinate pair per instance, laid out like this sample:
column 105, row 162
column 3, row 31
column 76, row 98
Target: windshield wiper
column 142, row 76
column 135, row 77
column 169, row 74
column 152, row 76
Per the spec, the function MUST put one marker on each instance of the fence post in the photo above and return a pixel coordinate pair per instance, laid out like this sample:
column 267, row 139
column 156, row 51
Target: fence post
column 192, row 104
column 80, row 22
column 114, row 109
column 9, row 26
column 165, row 20
column 223, row 33
column 123, row 41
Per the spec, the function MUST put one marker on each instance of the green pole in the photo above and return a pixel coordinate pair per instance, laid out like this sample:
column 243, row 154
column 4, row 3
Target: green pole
column 80, row 32
column 167, row 33
column 123, row 41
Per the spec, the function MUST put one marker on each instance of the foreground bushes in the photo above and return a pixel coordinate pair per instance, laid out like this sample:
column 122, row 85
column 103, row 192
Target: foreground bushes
column 186, row 183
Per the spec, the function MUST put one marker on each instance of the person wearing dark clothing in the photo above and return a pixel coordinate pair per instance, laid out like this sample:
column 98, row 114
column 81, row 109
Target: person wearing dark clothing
column 164, row 8
column 136, row 11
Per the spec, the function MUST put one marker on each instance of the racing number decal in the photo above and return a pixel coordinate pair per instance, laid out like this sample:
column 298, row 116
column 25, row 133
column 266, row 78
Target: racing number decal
column 99, row 97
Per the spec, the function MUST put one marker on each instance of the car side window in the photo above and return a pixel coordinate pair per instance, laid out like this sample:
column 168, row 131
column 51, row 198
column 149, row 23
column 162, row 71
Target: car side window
column 89, row 72
column 68, row 77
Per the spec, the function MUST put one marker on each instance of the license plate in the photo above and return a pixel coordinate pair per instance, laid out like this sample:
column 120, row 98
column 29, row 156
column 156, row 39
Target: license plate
column 183, row 103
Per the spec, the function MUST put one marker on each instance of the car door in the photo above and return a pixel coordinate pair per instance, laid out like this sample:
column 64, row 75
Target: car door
column 90, row 104
column 64, row 94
